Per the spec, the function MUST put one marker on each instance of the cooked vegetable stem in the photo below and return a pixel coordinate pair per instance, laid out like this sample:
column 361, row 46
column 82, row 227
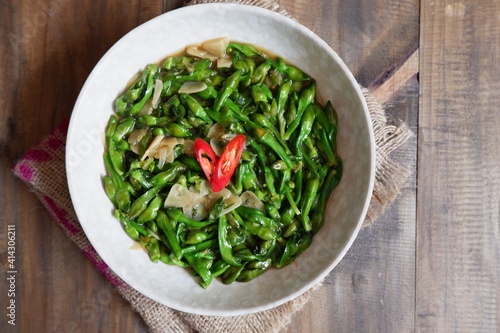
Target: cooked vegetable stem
column 180, row 132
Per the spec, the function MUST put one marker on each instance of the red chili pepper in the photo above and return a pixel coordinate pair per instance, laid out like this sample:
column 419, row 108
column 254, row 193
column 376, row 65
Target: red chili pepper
column 206, row 157
column 227, row 163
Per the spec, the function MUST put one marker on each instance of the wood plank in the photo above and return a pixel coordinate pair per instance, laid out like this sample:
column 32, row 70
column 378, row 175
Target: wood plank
column 372, row 289
column 48, row 51
column 458, row 228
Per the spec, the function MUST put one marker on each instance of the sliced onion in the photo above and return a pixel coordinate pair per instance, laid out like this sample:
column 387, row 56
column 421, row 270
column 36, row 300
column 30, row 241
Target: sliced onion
column 191, row 87
column 157, row 92
column 216, row 46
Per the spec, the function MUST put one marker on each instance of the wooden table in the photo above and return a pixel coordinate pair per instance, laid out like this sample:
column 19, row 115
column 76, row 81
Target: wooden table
column 429, row 264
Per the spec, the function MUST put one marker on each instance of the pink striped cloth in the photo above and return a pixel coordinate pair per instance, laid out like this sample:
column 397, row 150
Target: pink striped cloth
column 43, row 169
column 38, row 169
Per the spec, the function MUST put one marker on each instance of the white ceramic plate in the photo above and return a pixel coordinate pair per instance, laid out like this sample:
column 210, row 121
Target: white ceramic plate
column 168, row 34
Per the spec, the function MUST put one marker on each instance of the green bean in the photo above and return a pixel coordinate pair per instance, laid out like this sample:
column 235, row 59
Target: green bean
column 109, row 188
column 260, row 72
column 198, row 247
column 255, row 229
column 121, row 190
column 331, row 181
column 231, row 274
column 201, row 269
column 255, row 216
column 111, row 128
column 164, row 177
column 177, row 130
column 195, row 107
column 219, row 267
column 125, row 127
column 227, row 89
column 310, row 194
column 245, row 49
column 117, row 157
column 306, row 98
column 305, row 128
column 268, row 139
column 152, row 71
column 289, row 163
column 131, row 224
column 224, row 245
column 153, row 246
column 248, row 179
column 166, row 226
column 149, row 214
column 258, row 95
column 261, row 120
column 142, row 177
column 216, row 209
column 176, row 215
column 197, row 237
column 141, row 203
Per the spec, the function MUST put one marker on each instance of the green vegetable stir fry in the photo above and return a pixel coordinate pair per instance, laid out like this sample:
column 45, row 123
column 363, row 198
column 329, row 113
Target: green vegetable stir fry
column 221, row 161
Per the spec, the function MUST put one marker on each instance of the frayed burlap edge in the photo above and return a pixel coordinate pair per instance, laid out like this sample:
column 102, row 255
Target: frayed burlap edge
column 389, row 176
column 53, row 192
column 50, row 186
column 267, row 4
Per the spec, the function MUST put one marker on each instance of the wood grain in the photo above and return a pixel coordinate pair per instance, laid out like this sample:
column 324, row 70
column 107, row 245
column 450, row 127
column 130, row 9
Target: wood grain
column 431, row 262
column 372, row 289
column 48, row 50
column 458, row 212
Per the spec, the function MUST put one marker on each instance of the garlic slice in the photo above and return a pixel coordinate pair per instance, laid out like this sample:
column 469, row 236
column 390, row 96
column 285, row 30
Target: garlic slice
column 135, row 139
column 191, row 87
column 224, row 62
column 197, row 205
column 216, row 46
column 194, row 51
column 157, row 92
column 251, row 200
column 152, row 147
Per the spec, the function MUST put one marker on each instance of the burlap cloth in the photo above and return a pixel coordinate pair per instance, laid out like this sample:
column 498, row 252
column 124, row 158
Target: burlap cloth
column 41, row 169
